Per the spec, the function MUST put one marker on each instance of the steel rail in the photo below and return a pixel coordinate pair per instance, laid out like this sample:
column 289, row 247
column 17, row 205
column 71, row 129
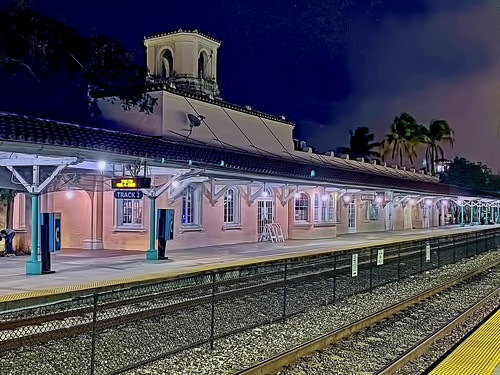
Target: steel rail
column 275, row 363
column 424, row 345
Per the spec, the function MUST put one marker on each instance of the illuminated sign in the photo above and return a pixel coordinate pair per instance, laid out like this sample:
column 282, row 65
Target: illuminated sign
column 128, row 194
column 131, row 183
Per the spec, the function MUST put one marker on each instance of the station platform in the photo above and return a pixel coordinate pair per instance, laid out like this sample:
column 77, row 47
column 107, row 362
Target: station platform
column 479, row 354
column 79, row 272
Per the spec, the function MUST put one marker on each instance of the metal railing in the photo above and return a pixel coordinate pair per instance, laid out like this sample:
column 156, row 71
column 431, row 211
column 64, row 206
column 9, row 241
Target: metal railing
column 111, row 332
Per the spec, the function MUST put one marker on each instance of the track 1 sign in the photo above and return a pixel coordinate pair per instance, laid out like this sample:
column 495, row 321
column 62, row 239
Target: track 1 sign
column 128, row 194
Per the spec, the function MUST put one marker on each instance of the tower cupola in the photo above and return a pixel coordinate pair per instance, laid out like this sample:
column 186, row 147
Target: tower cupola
column 184, row 59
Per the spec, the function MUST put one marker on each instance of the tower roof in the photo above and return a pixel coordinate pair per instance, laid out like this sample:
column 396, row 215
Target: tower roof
column 181, row 31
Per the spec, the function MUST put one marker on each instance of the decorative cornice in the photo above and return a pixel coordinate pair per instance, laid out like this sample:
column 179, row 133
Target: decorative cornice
column 166, row 87
column 181, row 31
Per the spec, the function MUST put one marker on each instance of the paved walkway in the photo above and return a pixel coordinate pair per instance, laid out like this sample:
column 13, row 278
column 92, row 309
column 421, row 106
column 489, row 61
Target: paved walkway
column 79, row 271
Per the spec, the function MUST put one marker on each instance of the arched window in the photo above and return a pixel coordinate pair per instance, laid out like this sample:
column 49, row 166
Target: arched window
column 324, row 208
column 168, row 64
column 231, row 207
column 204, row 66
column 327, row 208
column 201, row 65
column 191, row 206
column 301, row 207
column 316, row 208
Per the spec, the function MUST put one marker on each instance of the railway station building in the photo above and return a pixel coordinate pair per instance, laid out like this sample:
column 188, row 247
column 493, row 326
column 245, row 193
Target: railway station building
column 225, row 173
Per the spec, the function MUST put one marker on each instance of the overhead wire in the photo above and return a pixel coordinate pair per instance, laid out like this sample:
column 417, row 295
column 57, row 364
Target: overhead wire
column 211, row 131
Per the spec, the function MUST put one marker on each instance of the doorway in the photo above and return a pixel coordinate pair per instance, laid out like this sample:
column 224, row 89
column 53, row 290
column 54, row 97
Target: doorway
column 351, row 217
column 265, row 210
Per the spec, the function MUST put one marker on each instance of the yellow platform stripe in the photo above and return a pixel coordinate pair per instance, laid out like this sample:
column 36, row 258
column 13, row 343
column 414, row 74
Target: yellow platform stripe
column 477, row 355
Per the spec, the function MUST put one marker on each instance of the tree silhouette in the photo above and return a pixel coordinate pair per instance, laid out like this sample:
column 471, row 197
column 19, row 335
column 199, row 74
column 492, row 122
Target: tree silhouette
column 48, row 69
column 403, row 139
column 439, row 132
column 360, row 145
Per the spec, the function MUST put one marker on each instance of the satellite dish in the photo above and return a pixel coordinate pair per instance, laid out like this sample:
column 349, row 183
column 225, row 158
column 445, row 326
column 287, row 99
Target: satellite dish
column 194, row 121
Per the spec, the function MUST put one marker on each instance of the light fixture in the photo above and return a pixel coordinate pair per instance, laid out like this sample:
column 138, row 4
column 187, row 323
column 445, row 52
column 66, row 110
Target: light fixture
column 69, row 194
column 411, row 202
column 101, row 165
column 298, row 195
column 175, row 184
column 444, row 202
column 313, row 173
column 346, row 198
column 379, row 199
column 428, row 202
column 325, row 197
column 265, row 193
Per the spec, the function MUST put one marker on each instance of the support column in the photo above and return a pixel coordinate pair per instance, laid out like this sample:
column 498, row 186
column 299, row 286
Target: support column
column 471, row 214
column 479, row 216
column 152, row 253
column 462, row 216
column 34, row 266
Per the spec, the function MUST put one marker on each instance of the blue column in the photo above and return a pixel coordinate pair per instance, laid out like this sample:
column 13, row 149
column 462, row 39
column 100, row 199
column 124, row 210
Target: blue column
column 462, row 216
column 479, row 216
column 34, row 266
column 152, row 253
column 471, row 214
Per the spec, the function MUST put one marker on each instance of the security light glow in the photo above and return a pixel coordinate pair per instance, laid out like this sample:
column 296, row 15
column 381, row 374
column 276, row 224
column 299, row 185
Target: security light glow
column 428, row 202
column 101, row 165
column 325, row 197
column 69, row 194
column 379, row 199
column 346, row 198
column 175, row 184
column 444, row 202
column 297, row 195
column 411, row 202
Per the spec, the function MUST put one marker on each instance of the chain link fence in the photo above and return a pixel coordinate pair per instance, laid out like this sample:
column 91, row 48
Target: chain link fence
column 112, row 332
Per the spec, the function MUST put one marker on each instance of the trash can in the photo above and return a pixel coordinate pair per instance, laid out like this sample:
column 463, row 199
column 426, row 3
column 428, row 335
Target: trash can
column 8, row 235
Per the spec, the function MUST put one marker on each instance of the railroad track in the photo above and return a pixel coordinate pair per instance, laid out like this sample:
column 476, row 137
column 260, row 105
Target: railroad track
column 384, row 341
column 53, row 325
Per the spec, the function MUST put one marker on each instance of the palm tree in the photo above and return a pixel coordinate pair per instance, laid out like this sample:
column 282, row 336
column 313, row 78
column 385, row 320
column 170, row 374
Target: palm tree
column 403, row 139
column 361, row 145
column 439, row 132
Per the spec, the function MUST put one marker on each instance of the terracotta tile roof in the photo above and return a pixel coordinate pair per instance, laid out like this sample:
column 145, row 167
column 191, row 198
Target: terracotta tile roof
column 23, row 129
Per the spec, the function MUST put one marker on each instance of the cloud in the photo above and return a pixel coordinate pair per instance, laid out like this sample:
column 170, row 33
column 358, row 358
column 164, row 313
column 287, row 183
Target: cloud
column 438, row 63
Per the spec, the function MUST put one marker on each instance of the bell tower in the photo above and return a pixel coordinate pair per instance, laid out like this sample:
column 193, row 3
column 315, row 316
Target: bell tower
column 184, row 59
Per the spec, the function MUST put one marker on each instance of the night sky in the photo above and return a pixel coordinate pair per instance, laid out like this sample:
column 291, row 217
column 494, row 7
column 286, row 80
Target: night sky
column 334, row 65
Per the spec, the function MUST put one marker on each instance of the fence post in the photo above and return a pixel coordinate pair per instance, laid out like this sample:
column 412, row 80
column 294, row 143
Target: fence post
column 476, row 243
column 284, row 292
column 454, row 249
column 399, row 261
column 439, row 253
column 94, row 323
column 371, row 270
column 334, row 277
column 212, row 319
column 421, row 255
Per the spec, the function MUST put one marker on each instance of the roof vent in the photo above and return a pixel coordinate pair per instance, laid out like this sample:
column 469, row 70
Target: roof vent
column 362, row 160
column 248, row 107
column 413, row 170
column 395, row 166
column 307, row 149
column 330, row 153
column 374, row 162
column 283, row 117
